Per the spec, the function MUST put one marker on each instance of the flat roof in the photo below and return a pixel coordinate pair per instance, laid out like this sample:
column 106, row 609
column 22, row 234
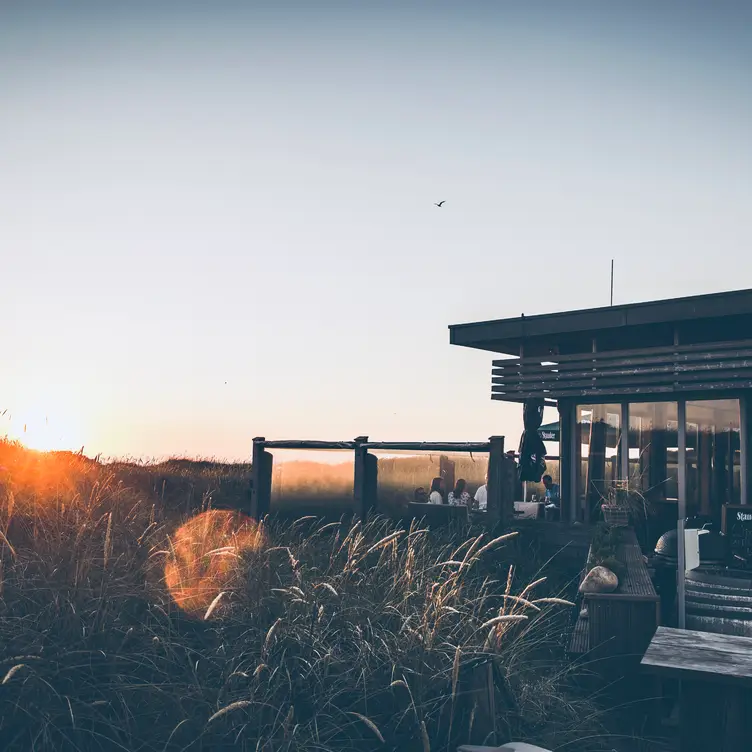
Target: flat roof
column 717, row 317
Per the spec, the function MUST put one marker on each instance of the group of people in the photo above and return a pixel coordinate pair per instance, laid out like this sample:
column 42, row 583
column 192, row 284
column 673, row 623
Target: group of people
column 459, row 496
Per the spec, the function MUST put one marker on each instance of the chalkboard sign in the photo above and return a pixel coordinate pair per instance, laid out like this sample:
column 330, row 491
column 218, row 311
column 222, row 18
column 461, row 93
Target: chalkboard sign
column 737, row 525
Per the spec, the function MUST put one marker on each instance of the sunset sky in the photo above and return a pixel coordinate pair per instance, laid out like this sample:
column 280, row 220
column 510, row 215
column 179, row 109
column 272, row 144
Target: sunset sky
column 217, row 219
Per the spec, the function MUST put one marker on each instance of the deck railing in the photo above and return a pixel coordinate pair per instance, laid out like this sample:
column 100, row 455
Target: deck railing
column 365, row 476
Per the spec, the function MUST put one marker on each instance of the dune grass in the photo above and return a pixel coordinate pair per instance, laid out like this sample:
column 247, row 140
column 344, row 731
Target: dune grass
column 288, row 636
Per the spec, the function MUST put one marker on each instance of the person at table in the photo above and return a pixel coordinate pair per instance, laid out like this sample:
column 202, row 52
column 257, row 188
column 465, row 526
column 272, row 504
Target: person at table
column 437, row 491
column 480, row 501
column 553, row 493
column 459, row 497
column 420, row 496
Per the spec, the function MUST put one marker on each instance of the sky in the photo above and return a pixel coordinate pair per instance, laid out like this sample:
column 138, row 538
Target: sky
column 217, row 219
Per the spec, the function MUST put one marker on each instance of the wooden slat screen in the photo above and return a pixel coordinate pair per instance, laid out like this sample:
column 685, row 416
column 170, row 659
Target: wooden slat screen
column 717, row 366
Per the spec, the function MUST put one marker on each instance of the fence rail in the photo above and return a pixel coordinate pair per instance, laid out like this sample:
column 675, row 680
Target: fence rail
column 365, row 476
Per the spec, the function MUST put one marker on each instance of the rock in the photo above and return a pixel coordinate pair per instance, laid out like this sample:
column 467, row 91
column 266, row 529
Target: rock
column 599, row 580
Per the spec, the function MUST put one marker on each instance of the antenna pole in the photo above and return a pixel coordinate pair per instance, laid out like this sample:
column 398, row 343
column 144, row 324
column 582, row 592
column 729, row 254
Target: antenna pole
column 612, row 281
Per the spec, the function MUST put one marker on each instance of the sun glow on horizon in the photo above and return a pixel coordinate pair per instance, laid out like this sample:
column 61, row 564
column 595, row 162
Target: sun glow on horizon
column 41, row 430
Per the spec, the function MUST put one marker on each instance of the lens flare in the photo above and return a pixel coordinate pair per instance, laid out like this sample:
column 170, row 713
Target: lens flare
column 205, row 558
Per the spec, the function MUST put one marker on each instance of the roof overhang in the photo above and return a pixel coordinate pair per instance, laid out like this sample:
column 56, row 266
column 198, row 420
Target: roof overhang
column 703, row 318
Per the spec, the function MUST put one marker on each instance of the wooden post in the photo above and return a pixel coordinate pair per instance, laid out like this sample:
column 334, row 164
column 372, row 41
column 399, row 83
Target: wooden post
column 261, row 493
column 567, row 460
column 365, row 480
column 682, row 512
column 704, row 457
column 624, row 444
column 497, row 505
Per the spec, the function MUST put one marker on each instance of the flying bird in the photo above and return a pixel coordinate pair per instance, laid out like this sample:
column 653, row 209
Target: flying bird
column 440, row 204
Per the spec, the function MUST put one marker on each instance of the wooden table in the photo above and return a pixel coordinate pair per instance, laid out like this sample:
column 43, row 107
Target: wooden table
column 715, row 670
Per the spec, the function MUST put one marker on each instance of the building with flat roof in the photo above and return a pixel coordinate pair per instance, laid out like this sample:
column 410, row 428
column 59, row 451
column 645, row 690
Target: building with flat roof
column 657, row 395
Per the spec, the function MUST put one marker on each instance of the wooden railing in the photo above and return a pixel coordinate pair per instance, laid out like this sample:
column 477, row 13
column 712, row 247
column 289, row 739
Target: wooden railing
column 683, row 368
column 365, row 477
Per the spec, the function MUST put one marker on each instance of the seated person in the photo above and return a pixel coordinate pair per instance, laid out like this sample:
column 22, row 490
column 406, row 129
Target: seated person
column 437, row 492
column 480, row 502
column 459, row 497
column 553, row 494
column 420, row 497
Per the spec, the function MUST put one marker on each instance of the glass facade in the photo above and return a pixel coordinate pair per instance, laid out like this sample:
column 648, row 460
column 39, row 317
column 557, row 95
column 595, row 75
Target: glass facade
column 654, row 450
column 713, row 455
column 597, row 455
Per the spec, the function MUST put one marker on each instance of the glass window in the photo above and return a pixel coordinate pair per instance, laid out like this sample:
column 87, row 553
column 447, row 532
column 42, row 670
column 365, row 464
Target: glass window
column 713, row 456
column 654, row 450
column 597, row 451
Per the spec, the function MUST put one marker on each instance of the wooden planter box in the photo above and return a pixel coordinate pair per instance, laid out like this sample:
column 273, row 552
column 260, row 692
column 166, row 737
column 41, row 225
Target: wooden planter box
column 620, row 624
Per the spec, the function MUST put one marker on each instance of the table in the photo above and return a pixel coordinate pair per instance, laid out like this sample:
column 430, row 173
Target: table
column 528, row 509
column 715, row 670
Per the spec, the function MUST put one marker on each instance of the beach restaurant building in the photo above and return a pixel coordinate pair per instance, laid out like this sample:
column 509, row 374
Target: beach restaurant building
column 658, row 394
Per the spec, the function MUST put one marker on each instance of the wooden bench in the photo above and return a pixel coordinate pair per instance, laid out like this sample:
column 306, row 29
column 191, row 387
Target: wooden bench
column 622, row 623
column 438, row 514
column 715, row 670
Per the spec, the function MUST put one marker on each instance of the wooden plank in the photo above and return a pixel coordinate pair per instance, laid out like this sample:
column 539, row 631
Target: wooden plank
column 598, row 379
column 689, row 654
column 678, row 350
column 306, row 444
column 428, row 446
column 540, row 365
column 580, row 642
column 606, row 370
column 555, row 393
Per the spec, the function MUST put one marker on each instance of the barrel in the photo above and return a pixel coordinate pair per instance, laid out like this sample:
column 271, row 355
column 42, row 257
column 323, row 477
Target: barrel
column 719, row 601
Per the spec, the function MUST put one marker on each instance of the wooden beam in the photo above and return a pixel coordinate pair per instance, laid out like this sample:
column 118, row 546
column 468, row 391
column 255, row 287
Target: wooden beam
column 567, row 466
column 428, row 446
column 496, row 509
column 308, row 444
column 365, row 480
column 261, row 473
column 712, row 349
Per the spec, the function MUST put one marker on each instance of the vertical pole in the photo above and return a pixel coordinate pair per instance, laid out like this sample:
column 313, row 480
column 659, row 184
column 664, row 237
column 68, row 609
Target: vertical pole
column 497, row 505
column 360, row 479
column 566, row 462
column 624, row 444
column 745, row 426
column 575, row 439
column 612, row 281
column 261, row 472
column 682, row 513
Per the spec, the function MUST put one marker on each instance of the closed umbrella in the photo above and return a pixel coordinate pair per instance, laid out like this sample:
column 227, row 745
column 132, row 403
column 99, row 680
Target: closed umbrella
column 532, row 449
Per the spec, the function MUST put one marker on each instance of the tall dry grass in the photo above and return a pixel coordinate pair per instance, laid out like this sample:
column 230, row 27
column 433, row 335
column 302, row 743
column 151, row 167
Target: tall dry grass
column 298, row 636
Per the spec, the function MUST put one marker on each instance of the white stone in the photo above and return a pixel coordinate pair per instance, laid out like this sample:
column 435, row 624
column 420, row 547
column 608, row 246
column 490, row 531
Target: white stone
column 599, row 580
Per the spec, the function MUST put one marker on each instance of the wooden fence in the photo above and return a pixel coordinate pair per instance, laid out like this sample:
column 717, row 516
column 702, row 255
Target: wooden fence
column 365, row 476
